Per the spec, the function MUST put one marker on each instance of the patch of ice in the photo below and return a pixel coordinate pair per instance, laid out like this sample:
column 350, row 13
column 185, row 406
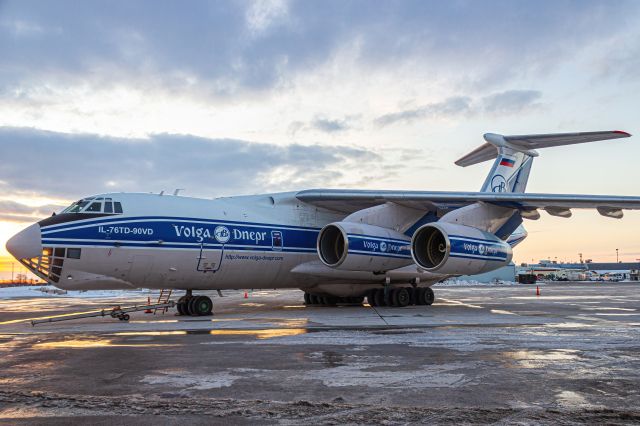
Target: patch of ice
column 191, row 381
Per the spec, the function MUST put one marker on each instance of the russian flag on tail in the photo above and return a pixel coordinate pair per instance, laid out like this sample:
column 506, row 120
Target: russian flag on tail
column 507, row 162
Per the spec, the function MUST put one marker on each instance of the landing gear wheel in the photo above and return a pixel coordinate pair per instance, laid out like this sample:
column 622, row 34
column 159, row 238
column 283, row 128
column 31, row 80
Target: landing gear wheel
column 371, row 297
column 428, row 296
column 201, row 305
column 401, row 297
column 331, row 300
column 181, row 305
column 307, row 300
column 420, row 296
column 393, row 297
column 379, row 296
column 313, row 299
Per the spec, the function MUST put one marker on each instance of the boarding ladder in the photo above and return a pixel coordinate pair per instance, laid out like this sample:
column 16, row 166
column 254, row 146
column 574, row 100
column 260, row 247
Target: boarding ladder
column 163, row 298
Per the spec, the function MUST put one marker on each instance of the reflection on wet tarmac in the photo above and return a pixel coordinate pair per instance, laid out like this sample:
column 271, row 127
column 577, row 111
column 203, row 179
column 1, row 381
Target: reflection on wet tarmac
column 261, row 333
column 93, row 343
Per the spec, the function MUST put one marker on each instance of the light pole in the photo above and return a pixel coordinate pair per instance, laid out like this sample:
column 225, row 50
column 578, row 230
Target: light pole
column 617, row 260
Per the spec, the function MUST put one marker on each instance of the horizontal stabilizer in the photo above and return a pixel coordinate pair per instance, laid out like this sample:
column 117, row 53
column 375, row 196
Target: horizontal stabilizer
column 529, row 143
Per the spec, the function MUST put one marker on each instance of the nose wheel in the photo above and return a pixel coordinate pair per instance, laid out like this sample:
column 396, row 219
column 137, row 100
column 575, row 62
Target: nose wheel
column 194, row 306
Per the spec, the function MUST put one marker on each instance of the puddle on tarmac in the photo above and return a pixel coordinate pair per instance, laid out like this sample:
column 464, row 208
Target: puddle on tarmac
column 500, row 311
column 261, row 333
column 537, row 359
column 92, row 343
column 152, row 333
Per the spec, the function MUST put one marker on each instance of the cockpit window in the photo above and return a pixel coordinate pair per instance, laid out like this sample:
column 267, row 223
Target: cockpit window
column 94, row 208
column 76, row 207
column 94, row 205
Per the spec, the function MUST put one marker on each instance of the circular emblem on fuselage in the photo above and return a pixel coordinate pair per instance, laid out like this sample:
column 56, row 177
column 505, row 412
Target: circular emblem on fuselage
column 222, row 234
column 383, row 246
column 498, row 184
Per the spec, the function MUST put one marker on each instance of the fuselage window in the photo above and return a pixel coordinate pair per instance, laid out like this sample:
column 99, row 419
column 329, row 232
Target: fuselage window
column 108, row 207
column 73, row 253
column 118, row 207
column 94, row 207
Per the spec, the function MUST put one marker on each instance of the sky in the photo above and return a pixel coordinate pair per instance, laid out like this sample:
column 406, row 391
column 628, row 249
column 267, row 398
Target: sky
column 241, row 97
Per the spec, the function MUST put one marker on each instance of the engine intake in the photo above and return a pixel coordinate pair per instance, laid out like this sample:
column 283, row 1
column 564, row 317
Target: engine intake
column 358, row 247
column 452, row 249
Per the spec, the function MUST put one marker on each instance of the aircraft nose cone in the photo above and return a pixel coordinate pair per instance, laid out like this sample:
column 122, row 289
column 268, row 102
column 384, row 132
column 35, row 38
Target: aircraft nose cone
column 26, row 244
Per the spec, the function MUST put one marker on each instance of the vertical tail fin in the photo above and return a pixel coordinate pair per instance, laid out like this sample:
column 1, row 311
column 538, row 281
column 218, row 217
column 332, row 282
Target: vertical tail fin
column 509, row 173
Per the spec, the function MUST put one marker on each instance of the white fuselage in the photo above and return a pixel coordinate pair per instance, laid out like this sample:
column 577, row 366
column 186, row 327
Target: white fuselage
column 265, row 241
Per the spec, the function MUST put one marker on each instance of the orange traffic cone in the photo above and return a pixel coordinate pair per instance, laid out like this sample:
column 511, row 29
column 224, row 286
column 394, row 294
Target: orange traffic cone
column 537, row 291
column 246, row 295
column 148, row 311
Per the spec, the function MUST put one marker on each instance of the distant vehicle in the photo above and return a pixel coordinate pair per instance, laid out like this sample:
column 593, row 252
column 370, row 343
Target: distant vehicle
column 613, row 277
column 527, row 278
column 336, row 245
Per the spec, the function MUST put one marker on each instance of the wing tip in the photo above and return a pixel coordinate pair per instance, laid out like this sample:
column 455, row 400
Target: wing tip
column 623, row 133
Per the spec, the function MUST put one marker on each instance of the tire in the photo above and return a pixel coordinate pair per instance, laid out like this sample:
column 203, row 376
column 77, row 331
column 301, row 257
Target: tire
column 393, row 297
column 380, row 298
column 190, row 307
column 180, row 308
column 429, row 296
column 313, row 299
column 307, row 300
column 402, row 297
column 126, row 317
column 420, row 296
column 371, row 297
column 202, row 306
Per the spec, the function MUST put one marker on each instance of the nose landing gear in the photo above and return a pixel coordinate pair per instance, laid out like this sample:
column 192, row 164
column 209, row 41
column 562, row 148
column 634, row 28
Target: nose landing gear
column 194, row 305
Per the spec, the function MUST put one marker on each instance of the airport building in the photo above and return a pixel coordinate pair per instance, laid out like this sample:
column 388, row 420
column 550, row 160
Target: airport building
column 587, row 271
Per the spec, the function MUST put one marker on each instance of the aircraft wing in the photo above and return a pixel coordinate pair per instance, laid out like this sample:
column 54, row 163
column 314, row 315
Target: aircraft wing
column 349, row 201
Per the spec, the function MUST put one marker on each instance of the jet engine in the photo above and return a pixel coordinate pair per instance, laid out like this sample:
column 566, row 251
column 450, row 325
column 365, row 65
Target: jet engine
column 451, row 249
column 354, row 246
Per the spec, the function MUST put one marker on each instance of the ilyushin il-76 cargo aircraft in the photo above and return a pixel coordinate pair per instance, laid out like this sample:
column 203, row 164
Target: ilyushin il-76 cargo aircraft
column 338, row 246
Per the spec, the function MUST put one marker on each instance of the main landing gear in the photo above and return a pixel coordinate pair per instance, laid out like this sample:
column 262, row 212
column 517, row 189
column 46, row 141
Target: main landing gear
column 314, row 300
column 401, row 297
column 194, row 305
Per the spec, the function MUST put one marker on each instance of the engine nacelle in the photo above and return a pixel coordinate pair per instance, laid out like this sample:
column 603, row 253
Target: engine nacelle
column 451, row 249
column 354, row 246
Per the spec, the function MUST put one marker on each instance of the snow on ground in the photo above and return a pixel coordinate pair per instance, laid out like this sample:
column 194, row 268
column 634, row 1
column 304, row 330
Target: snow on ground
column 468, row 283
column 51, row 291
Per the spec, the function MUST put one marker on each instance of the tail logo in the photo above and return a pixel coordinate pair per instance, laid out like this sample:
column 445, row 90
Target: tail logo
column 498, row 184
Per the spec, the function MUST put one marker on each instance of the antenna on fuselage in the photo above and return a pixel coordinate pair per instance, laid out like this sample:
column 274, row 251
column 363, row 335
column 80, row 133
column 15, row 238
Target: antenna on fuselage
column 177, row 191
column 161, row 193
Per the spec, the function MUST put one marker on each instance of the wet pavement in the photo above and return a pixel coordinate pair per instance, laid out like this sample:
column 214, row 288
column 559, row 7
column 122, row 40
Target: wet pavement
column 478, row 355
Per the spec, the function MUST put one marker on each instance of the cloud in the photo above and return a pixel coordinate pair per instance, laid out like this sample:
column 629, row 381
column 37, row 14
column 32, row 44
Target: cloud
column 330, row 126
column 501, row 103
column 510, row 101
column 223, row 48
column 74, row 165
column 12, row 211
column 450, row 107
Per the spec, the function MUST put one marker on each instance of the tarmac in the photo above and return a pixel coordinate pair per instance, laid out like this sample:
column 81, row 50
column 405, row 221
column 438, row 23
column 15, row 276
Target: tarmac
column 480, row 354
